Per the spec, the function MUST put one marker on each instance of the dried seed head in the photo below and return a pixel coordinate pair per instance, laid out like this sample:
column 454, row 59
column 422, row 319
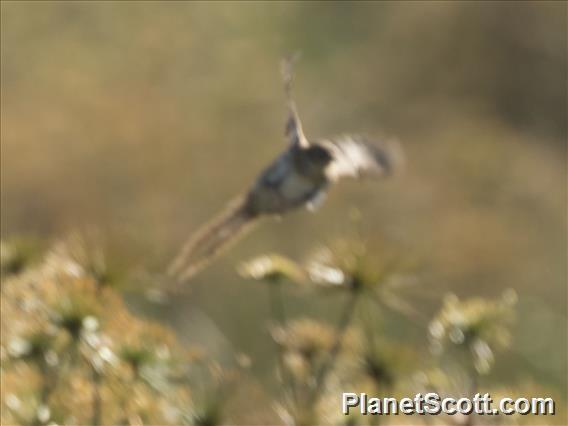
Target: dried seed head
column 272, row 268
column 478, row 324
column 305, row 337
column 349, row 264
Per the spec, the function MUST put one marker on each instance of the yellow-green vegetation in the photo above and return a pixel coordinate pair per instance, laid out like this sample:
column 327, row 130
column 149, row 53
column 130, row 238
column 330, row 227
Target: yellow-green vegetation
column 317, row 361
column 72, row 353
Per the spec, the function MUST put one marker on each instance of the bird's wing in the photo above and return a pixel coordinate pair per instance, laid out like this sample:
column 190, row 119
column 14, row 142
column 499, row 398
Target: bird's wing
column 356, row 156
column 275, row 174
column 293, row 130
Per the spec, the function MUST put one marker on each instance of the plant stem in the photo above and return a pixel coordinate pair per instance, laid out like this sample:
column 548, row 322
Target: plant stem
column 279, row 314
column 473, row 386
column 48, row 386
column 97, row 402
column 277, row 303
column 344, row 322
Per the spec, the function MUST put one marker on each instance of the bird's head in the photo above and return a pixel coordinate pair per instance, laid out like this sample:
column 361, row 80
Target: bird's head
column 319, row 156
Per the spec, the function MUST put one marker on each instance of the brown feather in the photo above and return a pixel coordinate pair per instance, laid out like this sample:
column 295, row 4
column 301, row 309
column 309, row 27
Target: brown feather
column 212, row 239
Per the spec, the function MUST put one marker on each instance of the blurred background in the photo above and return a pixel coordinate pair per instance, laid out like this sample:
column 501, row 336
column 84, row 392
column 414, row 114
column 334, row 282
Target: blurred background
column 143, row 119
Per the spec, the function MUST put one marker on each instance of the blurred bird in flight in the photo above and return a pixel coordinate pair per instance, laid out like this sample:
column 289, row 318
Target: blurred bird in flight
column 299, row 177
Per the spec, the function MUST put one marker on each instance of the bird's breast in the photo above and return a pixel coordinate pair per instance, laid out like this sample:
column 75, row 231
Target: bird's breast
column 297, row 187
column 293, row 190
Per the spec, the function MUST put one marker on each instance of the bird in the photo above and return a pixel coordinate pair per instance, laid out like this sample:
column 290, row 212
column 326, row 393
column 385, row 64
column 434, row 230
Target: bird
column 299, row 177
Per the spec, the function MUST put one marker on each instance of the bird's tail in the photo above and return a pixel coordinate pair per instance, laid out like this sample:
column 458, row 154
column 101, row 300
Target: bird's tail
column 211, row 239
